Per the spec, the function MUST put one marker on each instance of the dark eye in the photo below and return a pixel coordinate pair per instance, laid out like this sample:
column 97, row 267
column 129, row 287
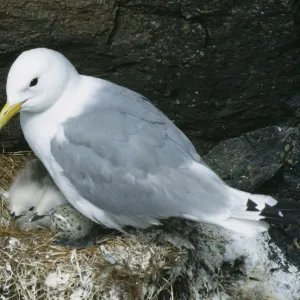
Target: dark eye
column 34, row 82
column 31, row 208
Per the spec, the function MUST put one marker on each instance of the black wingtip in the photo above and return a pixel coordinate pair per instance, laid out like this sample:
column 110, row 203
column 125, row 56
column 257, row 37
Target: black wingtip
column 288, row 206
column 277, row 214
column 15, row 217
column 251, row 206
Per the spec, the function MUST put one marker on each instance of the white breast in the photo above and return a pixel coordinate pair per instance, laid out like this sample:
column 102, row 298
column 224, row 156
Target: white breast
column 39, row 129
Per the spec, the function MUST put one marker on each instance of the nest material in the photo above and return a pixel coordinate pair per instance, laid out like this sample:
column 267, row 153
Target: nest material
column 10, row 164
column 125, row 267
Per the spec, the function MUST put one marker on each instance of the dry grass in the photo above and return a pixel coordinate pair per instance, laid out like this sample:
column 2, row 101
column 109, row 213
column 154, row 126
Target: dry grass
column 10, row 164
column 124, row 267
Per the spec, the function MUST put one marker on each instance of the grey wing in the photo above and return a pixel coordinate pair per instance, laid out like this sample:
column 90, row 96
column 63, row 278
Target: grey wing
column 126, row 157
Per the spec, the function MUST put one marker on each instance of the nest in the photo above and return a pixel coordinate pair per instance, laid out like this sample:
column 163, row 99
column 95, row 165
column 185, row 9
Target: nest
column 132, row 266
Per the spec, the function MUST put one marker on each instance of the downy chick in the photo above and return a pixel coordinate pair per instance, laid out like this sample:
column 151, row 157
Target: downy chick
column 51, row 199
column 26, row 192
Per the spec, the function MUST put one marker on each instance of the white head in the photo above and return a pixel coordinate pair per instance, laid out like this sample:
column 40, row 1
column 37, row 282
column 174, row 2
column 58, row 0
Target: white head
column 23, row 199
column 36, row 80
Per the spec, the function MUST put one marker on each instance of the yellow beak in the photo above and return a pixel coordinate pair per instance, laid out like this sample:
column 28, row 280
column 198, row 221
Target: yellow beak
column 8, row 112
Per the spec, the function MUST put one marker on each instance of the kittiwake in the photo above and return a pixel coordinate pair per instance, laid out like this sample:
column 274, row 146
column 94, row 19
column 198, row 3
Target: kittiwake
column 116, row 157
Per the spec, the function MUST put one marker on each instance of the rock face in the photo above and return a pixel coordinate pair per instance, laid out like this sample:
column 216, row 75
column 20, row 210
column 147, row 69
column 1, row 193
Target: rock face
column 256, row 157
column 218, row 69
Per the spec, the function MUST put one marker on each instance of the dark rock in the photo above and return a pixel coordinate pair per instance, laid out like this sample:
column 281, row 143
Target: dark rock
column 251, row 159
column 218, row 69
column 265, row 161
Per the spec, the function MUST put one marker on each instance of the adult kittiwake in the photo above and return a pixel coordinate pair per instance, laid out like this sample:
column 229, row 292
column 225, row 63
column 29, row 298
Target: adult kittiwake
column 117, row 158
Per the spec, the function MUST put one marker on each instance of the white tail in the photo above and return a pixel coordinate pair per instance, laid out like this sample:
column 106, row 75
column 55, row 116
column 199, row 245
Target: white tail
column 245, row 221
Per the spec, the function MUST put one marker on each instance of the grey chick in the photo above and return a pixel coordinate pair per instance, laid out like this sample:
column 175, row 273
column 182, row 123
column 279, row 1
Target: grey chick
column 51, row 199
column 34, row 195
column 26, row 192
column 35, row 201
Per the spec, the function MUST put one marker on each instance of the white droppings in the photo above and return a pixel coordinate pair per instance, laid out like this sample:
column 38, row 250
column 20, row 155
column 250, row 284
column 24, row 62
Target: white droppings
column 13, row 243
column 55, row 279
column 270, row 276
column 8, row 267
column 79, row 294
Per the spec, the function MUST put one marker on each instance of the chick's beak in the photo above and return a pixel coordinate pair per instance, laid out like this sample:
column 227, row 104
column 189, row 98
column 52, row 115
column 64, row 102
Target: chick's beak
column 8, row 112
column 14, row 216
column 36, row 217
